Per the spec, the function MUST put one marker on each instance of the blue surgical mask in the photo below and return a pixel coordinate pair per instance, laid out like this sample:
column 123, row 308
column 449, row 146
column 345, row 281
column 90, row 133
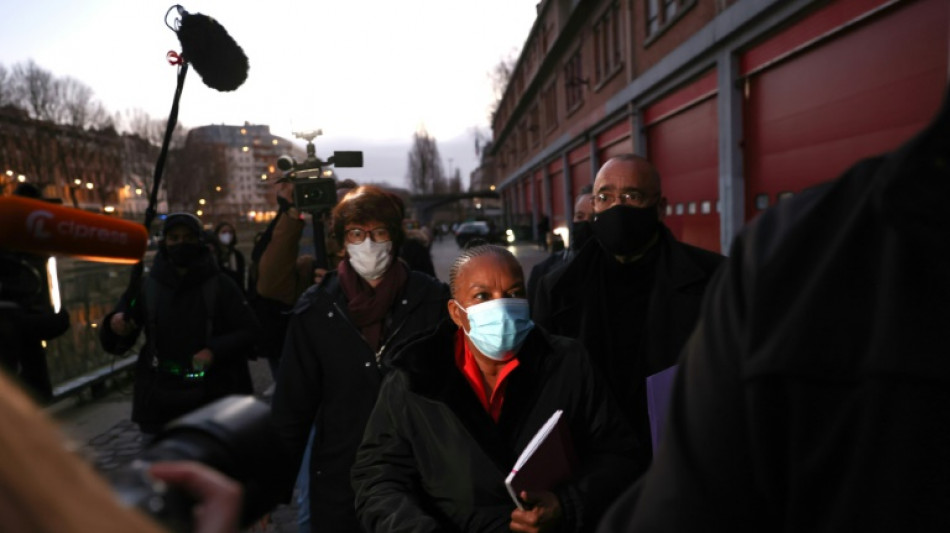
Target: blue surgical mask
column 498, row 327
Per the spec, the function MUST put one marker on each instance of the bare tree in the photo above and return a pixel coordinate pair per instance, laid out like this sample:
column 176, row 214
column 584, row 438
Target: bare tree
column 6, row 87
column 425, row 166
column 455, row 182
column 192, row 172
column 36, row 91
column 499, row 78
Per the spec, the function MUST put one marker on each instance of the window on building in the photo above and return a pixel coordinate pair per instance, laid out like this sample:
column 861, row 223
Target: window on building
column 574, row 81
column 606, row 41
column 653, row 16
column 549, row 101
column 660, row 14
column 534, row 126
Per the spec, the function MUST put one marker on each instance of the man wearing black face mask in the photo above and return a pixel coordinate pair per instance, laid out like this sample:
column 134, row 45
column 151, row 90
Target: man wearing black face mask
column 197, row 327
column 634, row 297
column 581, row 232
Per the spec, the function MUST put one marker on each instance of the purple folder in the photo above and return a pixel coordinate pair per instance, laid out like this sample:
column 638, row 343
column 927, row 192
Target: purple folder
column 659, row 390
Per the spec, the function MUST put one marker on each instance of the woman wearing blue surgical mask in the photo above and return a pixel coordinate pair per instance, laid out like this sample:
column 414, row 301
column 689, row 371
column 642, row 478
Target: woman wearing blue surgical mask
column 466, row 399
column 339, row 342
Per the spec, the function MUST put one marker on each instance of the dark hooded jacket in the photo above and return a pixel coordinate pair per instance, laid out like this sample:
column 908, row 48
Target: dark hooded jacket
column 180, row 330
column 433, row 459
column 569, row 303
column 329, row 378
column 815, row 393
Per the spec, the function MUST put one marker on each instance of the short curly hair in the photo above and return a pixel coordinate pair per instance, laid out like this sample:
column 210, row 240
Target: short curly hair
column 366, row 203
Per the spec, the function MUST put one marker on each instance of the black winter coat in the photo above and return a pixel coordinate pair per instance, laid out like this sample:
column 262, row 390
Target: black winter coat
column 682, row 272
column 182, row 331
column 23, row 330
column 815, row 393
column 433, row 459
column 329, row 378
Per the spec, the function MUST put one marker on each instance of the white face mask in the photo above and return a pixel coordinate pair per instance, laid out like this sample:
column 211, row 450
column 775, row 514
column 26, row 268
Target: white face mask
column 225, row 238
column 370, row 259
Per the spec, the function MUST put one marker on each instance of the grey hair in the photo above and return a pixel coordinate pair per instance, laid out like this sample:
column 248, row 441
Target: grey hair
column 476, row 251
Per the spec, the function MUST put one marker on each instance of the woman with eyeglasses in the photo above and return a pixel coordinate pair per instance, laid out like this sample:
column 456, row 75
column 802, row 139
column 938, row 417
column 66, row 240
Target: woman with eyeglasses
column 339, row 342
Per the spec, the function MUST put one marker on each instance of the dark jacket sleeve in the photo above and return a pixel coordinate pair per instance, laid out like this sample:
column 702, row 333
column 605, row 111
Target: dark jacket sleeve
column 385, row 474
column 701, row 473
column 236, row 327
column 606, row 450
column 297, row 397
column 541, row 303
column 38, row 325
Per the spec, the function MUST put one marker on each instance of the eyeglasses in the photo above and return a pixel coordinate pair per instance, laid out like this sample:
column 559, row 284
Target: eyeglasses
column 357, row 235
column 606, row 199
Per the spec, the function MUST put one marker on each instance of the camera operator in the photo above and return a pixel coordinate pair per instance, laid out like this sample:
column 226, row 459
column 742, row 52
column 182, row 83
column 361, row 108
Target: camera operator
column 281, row 273
column 32, row 320
column 46, row 489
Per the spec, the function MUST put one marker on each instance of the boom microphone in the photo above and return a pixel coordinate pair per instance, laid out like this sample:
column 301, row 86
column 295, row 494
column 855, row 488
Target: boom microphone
column 205, row 44
column 35, row 226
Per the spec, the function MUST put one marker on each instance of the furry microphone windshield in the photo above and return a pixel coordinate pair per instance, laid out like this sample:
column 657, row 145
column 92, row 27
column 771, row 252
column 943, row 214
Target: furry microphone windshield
column 206, row 45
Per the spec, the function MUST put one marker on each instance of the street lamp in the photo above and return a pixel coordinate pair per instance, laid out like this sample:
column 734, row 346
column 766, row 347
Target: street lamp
column 201, row 201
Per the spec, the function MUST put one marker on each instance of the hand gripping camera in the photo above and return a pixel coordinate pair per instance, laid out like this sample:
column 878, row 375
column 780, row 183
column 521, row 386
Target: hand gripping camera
column 233, row 435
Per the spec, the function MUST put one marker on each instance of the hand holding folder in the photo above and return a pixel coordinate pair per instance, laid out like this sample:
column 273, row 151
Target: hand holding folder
column 547, row 461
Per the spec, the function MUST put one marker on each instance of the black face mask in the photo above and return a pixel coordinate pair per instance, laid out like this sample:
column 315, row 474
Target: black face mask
column 185, row 254
column 624, row 229
column 582, row 232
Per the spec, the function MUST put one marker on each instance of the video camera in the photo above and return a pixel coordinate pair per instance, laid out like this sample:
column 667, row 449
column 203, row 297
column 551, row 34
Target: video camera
column 314, row 189
column 234, row 436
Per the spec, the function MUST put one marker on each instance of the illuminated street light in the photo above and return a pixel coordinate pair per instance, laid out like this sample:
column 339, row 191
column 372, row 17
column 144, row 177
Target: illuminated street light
column 109, row 209
column 21, row 178
column 201, row 201
column 77, row 181
column 138, row 191
column 89, row 185
column 199, row 212
column 263, row 176
column 492, row 188
column 218, row 188
column 10, row 173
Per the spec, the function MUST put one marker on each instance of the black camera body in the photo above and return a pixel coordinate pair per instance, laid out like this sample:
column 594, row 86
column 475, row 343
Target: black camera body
column 314, row 188
column 233, row 435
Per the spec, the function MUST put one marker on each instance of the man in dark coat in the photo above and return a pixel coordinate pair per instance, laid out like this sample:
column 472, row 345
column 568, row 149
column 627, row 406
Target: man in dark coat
column 634, row 299
column 192, row 354
column 814, row 394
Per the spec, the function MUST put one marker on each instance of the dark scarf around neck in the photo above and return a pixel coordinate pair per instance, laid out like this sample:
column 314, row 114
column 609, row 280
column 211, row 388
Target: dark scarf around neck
column 369, row 306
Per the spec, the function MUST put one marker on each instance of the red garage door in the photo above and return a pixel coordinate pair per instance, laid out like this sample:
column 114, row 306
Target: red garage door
column 814, row 105
column 682, row 142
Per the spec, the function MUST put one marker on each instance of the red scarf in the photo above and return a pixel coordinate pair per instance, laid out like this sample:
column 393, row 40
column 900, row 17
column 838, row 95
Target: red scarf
column 369, row 306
